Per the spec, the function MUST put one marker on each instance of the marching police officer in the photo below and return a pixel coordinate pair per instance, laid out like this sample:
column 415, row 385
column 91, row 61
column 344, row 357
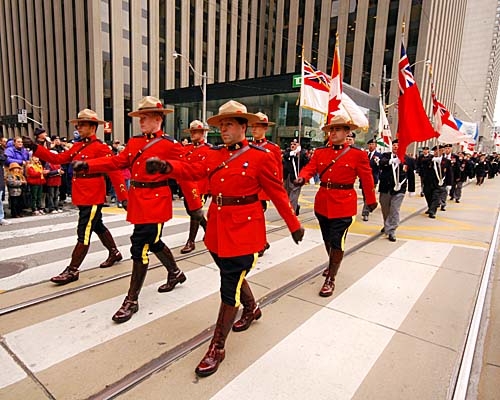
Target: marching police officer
column 338, row 165
column 150, row 203
column 236, row 231
column 259, row 129
column 196, row 151
column 88, row 192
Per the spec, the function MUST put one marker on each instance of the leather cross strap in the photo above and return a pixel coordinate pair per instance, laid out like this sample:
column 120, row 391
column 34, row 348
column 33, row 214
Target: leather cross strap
column 81, row 175
column 341, row 186
column 224, row 163
column 84, row 146
column 147, row 146
column 235, row 200
column 334, row 161
column 149, row 185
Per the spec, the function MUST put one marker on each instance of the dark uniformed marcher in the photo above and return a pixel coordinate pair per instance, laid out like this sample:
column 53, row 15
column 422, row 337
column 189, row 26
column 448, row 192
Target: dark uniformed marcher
column 425, row 155
column 194, row 152
column 338, row 165
column 236, row 231
column 436, row 176
column 88, row 192
column 396, row 176
column 150, row 204
column 374, row 158
column 259, row 129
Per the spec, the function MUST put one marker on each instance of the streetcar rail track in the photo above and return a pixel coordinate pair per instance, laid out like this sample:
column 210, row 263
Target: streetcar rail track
column 66, row 292
column 170, row 356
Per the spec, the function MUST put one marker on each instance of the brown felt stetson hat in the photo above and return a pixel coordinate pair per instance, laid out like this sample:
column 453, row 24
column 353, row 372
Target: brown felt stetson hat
column 149, row 104
column 263, row 119
column 340, row 120
column 196, row 125
column 232, row 109
column 87, row 115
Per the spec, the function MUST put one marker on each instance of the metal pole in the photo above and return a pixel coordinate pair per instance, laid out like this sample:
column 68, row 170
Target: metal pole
column 204, row 115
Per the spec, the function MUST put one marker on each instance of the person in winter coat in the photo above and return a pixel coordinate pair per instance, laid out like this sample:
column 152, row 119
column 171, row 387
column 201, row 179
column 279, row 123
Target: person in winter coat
column 35, row 174
column 15, row 182
column 15, row 152
column 2, row 181
column 53, row 183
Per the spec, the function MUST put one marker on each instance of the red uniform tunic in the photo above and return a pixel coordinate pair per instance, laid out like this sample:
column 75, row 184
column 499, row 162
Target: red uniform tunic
column 340, row 203
column 148, row 205
column 276, row 152
column 235, row 230
column 194, row 153
column 87, row 191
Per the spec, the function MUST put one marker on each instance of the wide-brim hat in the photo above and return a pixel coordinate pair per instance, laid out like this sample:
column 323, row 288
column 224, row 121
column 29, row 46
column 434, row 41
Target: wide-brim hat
column 14, row 165
column 340, row 120
column 87, row 115
column 263, row 119
column 196, row 125
column 232, row 109
column 149, row 104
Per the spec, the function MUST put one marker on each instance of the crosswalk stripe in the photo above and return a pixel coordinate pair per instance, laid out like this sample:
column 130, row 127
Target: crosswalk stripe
column 335, row 349
column 45, row 271
column 50, row 342
column 51, row 228
column 11, row 372
column 53, row 244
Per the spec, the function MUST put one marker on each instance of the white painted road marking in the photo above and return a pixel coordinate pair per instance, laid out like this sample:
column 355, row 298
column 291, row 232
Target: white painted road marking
column 334, row 350
column 49, row 342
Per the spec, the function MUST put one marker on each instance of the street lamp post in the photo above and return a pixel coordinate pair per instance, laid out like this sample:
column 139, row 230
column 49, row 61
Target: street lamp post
column 39, row 108
column 204, row 85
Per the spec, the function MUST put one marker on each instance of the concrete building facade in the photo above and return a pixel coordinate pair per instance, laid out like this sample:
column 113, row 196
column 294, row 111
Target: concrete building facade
column 65, row 55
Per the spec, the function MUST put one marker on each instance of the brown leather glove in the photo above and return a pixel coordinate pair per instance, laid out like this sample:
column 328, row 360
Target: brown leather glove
column 156, row 166
column 29, row 143
column 125, row 204
column 298, row 234
column 372, row 207
column 299, row 181
column 80, row 166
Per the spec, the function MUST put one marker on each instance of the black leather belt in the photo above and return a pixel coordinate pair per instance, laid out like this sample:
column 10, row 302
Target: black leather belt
column 235, row 200
column 342, row 186
column 80, row 175
column 149, row 185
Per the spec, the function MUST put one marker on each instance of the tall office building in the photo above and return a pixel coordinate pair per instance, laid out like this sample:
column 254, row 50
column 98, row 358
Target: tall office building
column 65, row 55
column 479, row 67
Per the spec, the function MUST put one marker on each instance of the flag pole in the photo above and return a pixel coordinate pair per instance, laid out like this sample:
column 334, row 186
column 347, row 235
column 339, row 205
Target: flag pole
column 300, row 107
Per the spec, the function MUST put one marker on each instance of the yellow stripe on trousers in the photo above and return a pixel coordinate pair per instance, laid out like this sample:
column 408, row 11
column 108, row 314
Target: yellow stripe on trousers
column 240, row 282
column 86, row 238
column 145, row 258
column 342, row 243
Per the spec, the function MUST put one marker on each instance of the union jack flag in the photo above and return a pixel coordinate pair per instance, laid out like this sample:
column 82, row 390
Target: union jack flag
column 406, row 79
column 315, row 78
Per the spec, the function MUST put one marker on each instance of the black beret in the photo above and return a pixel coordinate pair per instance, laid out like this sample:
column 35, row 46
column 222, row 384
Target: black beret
column 39, row 131
column 395, row 141
column 371, row 141
column 425, row 148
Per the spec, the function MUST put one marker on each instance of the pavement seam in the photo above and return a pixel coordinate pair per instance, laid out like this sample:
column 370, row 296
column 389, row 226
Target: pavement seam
column 25, row 368
column 373, row 322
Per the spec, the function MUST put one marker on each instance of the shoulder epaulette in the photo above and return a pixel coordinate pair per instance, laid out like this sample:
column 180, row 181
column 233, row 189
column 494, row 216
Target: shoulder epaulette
column 169, row 138
column 253, row 146
column 356, row 147
column 138, row 136
column 217, row 147
column 274, row 144
column 321, row 148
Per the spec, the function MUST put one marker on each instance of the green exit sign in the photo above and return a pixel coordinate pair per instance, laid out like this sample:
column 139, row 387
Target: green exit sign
column 297, row 81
